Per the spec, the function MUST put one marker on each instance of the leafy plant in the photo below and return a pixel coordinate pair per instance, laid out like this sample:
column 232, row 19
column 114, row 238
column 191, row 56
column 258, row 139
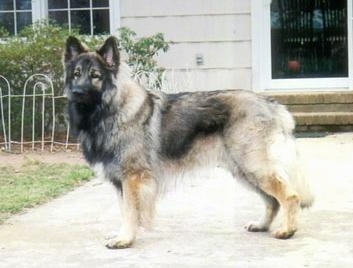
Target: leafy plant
column 3, row 32
column 141, row 53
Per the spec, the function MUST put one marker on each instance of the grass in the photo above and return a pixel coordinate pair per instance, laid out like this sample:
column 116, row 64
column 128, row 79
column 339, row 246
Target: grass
column 35, row 183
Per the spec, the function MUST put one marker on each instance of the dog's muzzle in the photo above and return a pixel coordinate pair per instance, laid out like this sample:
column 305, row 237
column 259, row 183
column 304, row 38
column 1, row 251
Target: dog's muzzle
column 79, row 95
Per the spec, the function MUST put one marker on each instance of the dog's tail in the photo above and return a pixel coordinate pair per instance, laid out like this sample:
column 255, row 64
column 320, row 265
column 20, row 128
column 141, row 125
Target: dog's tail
column 302, row 185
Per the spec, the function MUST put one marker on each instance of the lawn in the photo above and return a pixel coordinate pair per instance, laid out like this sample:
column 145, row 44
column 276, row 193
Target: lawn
column 35, row 183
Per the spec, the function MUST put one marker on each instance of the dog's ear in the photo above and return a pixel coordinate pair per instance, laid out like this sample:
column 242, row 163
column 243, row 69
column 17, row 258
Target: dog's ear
column 110, row 52
column 73, row 48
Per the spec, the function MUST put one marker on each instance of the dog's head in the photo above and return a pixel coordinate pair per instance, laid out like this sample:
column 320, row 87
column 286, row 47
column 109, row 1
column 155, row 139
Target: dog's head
column 89, row 74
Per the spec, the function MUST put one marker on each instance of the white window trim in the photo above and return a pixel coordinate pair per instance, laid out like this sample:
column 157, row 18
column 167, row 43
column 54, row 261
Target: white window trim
column 261, row 56
column 40, row 11
column 114, row 14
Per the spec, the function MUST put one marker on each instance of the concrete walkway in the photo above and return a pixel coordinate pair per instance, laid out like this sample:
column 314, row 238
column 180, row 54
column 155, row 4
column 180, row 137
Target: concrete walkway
column 198, row 225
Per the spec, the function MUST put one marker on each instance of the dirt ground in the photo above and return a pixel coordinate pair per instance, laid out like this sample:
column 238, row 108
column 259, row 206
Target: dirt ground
column 7, row 159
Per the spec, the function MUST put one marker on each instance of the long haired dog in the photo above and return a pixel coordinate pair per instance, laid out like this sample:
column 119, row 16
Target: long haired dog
column 136, row 137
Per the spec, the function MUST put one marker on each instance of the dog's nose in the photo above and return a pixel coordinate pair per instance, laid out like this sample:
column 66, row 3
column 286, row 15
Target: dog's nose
column 78, row 91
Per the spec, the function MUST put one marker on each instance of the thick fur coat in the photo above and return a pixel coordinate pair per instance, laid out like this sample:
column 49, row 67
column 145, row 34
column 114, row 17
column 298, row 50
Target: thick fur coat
column 136, row 138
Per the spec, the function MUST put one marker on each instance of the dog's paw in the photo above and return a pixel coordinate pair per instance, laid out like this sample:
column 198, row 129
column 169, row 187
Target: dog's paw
column 280, row 234
column 116, row 243
column 254, row 227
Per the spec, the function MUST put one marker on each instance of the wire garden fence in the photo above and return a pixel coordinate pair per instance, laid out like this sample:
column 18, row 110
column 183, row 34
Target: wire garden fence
column 30, row 121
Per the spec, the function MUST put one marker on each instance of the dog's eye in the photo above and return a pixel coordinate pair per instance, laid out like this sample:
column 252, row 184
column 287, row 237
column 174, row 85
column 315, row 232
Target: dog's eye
column 77, row 74
column 95, row 75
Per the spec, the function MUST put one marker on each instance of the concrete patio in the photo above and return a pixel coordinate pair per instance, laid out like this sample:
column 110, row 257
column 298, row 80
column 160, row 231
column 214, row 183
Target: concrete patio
column 200, row 224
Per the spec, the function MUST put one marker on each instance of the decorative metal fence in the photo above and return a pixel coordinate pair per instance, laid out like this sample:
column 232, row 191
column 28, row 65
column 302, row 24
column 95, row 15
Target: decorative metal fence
column 29, row 121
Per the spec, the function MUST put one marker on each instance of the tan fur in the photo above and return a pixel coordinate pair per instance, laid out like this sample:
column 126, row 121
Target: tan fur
column 288, row 199
column 137, row 207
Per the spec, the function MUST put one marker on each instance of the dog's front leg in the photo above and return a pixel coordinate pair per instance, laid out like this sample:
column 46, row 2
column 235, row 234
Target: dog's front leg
column 129, row 215
column 137, row 205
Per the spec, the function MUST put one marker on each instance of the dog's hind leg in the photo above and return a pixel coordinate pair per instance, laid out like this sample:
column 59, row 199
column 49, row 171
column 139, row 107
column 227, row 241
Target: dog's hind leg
column 137, row 188
column 277, row 192
column 286, row 196
column 272, row 207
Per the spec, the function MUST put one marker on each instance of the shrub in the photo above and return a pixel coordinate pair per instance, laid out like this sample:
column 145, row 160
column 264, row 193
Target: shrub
column 3, row 32
column 141, row 53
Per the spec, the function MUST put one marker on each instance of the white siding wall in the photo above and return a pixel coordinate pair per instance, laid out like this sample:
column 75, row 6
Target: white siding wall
column 219, row 30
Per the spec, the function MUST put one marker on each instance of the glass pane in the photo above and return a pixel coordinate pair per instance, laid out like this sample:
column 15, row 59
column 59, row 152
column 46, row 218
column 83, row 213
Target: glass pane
column 7, row 21
column 101, row 22
column 309, row 38
column 79, row 3
column 100, row 3
column 23, row 4
column 60, row 17
column 81, row 20
column 6, row 5
column 52, row 4
column 23, row 19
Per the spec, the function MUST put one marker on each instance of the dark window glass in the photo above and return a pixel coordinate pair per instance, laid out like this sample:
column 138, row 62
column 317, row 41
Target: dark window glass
column 23, row 4
column 60, row 17
column 53, row 4
column 101, row 21
column 7, row 21
column 79, row 3
column 81, row 20
column 309, row 38
column 6, row 5
column 100, row 3
column 23, row 19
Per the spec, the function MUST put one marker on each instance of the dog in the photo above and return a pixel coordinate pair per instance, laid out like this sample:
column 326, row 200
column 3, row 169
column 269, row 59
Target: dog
column 136, row 138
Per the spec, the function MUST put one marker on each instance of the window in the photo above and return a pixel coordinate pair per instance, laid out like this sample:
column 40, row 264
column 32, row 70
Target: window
column 90, row 16
column 15, row 15
column 302, row 44
column 309, row 39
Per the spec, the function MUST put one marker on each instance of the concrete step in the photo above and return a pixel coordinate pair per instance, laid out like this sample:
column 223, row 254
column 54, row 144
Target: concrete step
column 319, row 111
column 321, row 107
column 324, row 118
column 317, row 97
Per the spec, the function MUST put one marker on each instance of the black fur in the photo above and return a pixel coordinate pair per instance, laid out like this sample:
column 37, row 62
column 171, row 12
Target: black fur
column 189, row 116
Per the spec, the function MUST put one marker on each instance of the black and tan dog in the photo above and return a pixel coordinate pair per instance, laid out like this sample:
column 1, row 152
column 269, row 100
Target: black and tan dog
column 137, row 138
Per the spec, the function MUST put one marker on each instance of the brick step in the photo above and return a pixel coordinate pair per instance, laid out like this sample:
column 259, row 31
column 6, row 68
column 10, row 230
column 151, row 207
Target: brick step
column 321, row 107
column 323, row 118
column 319, row 111
column 317, row 97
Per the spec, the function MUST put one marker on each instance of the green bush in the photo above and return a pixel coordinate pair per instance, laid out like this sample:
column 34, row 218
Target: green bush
column 141, row 53
column 39, row 48
column 3, row 32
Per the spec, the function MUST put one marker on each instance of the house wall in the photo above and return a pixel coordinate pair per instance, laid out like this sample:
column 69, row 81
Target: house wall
column 219, row 31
